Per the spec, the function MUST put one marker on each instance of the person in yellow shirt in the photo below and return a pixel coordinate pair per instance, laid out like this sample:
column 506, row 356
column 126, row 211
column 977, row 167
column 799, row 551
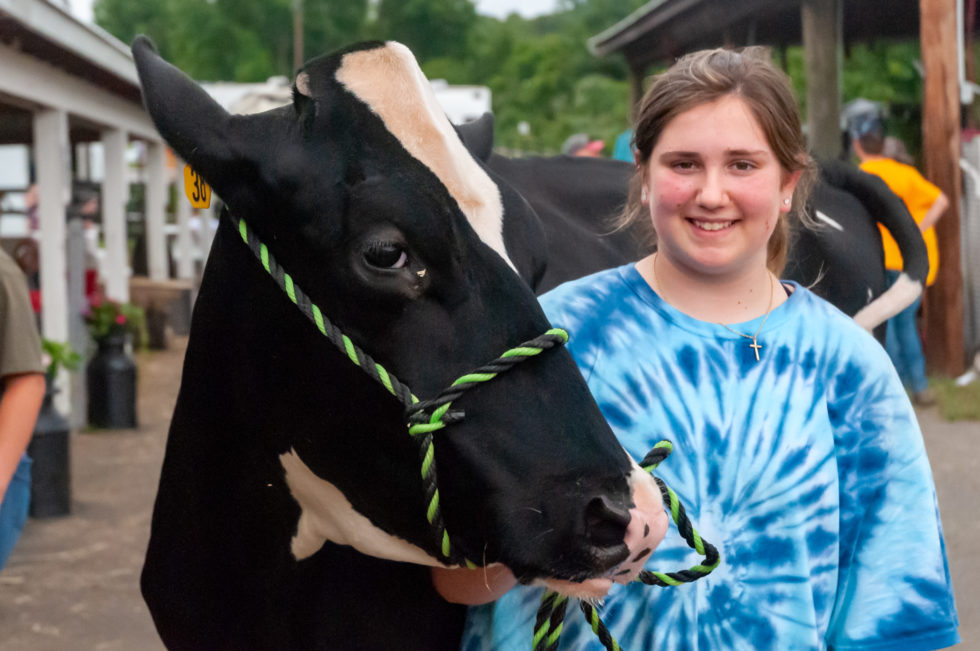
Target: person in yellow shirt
column 926, row 203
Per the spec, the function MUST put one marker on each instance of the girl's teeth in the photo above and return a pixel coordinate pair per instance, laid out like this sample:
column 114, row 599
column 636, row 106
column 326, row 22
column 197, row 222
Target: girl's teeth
column 712, row 226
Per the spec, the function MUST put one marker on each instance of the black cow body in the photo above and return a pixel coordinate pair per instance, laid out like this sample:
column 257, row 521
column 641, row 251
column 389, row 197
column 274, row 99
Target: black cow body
column 291, row 512
column 577, row 200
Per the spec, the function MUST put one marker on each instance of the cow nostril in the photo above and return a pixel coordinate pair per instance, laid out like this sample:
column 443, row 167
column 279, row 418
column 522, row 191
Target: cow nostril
column 606, row 522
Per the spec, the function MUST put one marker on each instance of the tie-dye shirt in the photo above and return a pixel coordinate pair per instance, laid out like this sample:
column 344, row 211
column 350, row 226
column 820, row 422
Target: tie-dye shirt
column 806, row 469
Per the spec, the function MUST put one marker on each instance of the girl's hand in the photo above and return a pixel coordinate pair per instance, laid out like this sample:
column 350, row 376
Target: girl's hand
column 461, row 585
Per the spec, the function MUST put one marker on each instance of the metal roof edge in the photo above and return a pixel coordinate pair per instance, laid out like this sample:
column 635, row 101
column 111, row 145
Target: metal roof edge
column 598, row 44
column 83, row 40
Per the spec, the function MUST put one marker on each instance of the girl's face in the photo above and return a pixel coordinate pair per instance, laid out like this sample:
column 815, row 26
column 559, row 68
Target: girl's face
column 715, row 190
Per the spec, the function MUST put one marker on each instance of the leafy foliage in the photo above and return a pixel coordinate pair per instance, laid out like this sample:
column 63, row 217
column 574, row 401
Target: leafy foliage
column 884, row 72
column 539, row 70
column 58, row 354
column 412, row 22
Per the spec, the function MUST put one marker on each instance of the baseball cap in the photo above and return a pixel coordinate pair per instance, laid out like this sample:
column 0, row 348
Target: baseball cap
column 579, row 141
column 864, row 125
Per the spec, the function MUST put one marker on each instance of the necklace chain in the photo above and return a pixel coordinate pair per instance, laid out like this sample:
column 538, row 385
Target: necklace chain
column 755, row 346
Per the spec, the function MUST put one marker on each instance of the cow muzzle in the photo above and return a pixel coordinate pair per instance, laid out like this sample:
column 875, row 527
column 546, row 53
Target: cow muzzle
column 640, row 530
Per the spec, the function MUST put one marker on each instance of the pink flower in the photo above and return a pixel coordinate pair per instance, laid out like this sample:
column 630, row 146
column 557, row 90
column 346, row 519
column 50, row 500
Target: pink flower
column 120, row 319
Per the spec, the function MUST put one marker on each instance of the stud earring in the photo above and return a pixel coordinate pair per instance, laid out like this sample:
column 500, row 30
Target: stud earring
column 643, row 195
column 786, row 202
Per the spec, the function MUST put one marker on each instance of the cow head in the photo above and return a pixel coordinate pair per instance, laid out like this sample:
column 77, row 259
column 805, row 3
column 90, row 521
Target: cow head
column 365, row 194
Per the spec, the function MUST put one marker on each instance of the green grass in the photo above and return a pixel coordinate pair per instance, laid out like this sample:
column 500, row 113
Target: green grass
column 957, row 403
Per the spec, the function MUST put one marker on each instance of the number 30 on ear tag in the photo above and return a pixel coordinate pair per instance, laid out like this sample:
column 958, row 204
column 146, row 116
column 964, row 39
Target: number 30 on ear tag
column 196, row 189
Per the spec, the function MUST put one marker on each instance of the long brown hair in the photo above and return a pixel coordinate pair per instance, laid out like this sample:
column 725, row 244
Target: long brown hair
column 707, row 76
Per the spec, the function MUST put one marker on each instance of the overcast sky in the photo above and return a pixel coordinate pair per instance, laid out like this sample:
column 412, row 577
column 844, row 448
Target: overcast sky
column 499, row 8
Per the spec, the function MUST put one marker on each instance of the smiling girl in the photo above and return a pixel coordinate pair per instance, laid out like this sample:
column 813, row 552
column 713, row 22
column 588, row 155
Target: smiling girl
column 797, row 450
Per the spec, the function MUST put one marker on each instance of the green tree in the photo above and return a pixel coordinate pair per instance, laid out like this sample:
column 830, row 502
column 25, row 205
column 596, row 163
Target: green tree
column 430, row 28
column 234, row 40
column 881, row 71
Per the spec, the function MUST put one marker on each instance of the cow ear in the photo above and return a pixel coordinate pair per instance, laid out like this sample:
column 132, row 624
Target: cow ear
column 478, row 136
column 302, row 95
column 192, row 123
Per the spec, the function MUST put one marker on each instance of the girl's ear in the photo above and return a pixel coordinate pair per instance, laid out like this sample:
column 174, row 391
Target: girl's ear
column 786, row 190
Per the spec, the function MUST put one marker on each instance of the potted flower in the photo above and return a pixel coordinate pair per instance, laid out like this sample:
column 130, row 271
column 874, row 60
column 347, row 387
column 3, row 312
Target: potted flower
column 49, row 446
column 111, row 373
column 108, row 318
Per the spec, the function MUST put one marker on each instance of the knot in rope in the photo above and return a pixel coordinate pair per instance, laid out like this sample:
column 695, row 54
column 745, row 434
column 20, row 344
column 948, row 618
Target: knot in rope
column 550, row 620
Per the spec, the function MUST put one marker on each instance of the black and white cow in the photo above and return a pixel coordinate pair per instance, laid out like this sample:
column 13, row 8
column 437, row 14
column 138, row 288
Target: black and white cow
column 844, row 261
column 291, row 510
column 576, row 199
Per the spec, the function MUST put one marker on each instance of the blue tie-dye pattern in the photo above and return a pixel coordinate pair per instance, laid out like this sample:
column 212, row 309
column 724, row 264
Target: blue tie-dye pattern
column 806, row 469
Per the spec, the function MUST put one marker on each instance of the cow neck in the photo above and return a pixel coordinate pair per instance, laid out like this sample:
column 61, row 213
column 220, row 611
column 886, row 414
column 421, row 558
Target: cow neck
column 424, row 417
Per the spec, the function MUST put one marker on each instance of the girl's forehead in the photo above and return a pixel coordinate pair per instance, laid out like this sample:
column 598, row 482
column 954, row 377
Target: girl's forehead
column 724, row 123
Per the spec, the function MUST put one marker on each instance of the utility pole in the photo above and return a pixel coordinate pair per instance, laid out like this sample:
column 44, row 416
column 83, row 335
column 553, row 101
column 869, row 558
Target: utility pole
column 822, row 26
column 298, row 56
column 941, row 154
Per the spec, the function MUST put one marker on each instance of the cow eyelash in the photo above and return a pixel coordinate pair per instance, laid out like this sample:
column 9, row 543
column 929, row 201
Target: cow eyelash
column 386, row 255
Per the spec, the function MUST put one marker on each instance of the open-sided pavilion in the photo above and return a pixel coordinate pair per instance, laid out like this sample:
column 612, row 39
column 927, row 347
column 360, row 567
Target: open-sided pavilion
column 65, row 84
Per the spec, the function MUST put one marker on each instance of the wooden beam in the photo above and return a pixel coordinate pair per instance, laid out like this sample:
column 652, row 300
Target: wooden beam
column 115, row 195
column 636, row 91
column 941, row 153
column 36, row 83
column 185, row 241
column 52, row 158
column 821, row 21
column 155, row 215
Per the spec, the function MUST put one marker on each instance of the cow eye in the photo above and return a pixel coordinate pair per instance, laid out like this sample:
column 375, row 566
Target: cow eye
column 386, row 255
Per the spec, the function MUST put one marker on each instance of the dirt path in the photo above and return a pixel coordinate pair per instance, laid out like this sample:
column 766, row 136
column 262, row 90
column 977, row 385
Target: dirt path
column 72, row 583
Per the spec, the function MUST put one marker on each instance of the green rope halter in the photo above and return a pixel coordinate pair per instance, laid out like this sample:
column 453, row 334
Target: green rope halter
column 551, row 613
column 424, row 416
column 428, row 416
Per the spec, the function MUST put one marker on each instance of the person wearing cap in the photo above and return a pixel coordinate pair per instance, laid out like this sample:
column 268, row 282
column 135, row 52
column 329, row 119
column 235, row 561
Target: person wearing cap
column 926, row 203
column 580, row 144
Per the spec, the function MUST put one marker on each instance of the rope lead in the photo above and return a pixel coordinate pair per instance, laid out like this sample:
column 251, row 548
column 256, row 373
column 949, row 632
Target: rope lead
column 546, row 616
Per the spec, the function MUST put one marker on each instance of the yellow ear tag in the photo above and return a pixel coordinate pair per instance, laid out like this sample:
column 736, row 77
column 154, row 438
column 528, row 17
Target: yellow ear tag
column 196, row 189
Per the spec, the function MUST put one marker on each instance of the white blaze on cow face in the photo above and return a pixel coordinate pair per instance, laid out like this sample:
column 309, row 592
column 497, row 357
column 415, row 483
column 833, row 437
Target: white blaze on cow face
column 390, row 82
column 328, row 515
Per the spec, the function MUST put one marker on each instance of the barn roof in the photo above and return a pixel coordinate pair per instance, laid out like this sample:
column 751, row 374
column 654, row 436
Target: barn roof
column 663, row 29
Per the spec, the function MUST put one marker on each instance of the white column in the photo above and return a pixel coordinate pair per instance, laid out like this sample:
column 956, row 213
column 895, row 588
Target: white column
column 53, row 167
column 185, row 243
column 156, row 199
column 115, row 194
